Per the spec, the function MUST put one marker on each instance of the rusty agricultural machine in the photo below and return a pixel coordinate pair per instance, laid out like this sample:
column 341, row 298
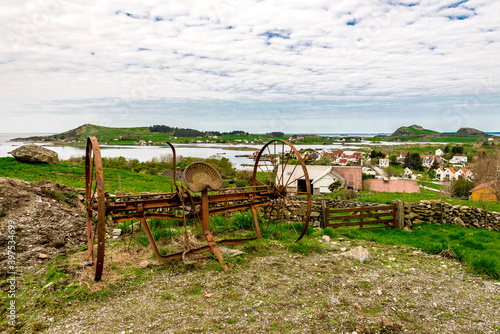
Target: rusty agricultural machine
column 279, row 178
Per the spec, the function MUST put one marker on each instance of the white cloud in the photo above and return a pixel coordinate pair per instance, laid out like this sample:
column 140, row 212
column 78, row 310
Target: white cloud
column 238, row 51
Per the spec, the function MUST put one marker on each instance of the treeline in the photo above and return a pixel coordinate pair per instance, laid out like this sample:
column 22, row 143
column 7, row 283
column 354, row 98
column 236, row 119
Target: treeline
column 178, row 132
column 183, row 132
column 161, row 128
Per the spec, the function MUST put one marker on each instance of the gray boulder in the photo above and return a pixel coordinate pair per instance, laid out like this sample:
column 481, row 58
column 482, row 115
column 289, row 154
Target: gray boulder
column 358, row 253
column 35, row 154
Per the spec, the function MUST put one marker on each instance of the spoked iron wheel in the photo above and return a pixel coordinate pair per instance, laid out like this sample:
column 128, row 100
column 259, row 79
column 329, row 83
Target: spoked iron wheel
column 280, row 166
column 95, row 204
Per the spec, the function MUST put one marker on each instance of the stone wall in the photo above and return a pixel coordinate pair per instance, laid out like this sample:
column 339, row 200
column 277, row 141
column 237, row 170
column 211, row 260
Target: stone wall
column 423, row 211
column 437, row 212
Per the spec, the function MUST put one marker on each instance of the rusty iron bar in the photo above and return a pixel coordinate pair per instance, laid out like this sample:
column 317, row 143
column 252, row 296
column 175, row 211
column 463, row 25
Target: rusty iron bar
column 139, row 206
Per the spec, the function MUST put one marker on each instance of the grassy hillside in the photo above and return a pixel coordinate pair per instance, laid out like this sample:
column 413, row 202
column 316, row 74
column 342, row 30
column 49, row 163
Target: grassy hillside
column 74, row 176
column 418, row 133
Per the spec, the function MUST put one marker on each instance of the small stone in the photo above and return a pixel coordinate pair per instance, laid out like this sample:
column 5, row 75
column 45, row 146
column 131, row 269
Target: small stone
column 86, row 263
column 358, row 253
column 326, row 238
column 117, row 232
column 230, row 252
column 333, row 300
column 392, row 259
column 488, row 285
column 208, row 295
column 379, row 292
column 343, row 249
column 43, row 256
column 248, row 310
column 45, row 287
column 143, row 264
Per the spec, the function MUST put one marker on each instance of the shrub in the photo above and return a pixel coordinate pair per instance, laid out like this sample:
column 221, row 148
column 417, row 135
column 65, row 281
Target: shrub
column 461, row 187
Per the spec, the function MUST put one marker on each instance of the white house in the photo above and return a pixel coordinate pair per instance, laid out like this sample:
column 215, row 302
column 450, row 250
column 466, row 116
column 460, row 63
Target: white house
column 321, row 182
column 440, row 172
column 438, row 153
column 409, row 174
column 320, row 177
column 427, row 160
column 458, row 159
column 368, row 171
column 451, row 174
column 383, row 163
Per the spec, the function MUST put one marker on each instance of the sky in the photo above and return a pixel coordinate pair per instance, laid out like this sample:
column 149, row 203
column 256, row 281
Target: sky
column 280, row 65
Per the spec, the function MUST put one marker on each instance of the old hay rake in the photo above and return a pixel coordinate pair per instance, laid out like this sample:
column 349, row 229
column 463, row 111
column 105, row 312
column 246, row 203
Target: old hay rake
column 281, row 194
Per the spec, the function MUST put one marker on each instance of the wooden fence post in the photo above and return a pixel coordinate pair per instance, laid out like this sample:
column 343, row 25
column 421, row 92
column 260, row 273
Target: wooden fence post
column 324, row 222
column 400, row 214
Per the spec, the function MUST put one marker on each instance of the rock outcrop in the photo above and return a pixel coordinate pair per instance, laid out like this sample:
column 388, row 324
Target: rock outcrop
column 35, row 154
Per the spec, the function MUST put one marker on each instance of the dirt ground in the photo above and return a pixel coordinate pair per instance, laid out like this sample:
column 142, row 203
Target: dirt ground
column 48, row 218
column 268, row 289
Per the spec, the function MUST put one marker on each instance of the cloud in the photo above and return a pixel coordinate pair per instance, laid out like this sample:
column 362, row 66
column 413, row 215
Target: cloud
column 262, row 54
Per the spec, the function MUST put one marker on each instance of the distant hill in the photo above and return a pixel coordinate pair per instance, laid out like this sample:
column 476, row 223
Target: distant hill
column 413, row 131
column 81, row 133
column 418, row 133
column 154, row 133
column 471, row 132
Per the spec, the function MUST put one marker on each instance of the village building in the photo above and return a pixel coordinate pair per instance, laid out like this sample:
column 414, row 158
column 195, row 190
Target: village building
column 409, row 174
column 393, row 186
column 484, row 192
column 368, row 171
column 401, row 157
column 451, row 174
column 458, row 159
column 321, row 176
column 383, row 163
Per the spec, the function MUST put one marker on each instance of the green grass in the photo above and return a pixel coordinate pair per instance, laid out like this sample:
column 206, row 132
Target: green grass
column 389, row 198
column 306, row 246
column 74, row 176
column 479, row 249
column 456, row 140
column 430, row 185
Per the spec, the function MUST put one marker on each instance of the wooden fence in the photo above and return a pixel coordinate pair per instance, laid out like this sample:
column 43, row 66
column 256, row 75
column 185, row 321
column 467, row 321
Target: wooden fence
column 380, row 216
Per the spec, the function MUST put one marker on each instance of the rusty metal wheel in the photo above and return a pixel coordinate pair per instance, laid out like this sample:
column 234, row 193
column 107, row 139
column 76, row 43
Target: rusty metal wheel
column 95, row 204
column 280, row 166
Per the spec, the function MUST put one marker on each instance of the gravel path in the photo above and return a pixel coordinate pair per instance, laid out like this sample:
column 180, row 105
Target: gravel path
column 400, row 290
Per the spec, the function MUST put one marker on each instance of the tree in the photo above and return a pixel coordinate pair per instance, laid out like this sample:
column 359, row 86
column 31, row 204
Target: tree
column 457, row 150
column 391, row 171
column 393, row 159
column 335, row 185
column 413, row 161
column 324, row 160
column 461, row 187
column 487, row 169
column 160, row 128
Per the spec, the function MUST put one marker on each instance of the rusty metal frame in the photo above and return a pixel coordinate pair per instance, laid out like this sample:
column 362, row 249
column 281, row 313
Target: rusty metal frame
column 138, row 207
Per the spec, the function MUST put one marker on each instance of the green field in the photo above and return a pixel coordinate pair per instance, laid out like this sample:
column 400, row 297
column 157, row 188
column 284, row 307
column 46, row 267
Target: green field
column 456, row 140
column 479, row 249
column 74, row 176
